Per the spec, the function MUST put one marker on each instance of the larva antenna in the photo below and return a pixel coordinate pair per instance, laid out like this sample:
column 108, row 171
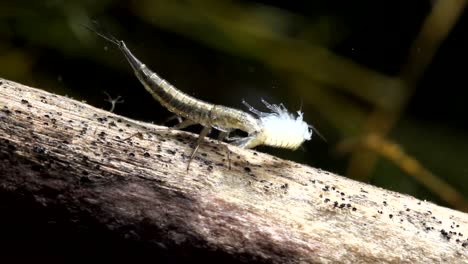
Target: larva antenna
column 99, row 30
column 311, row 126
column 316, row 131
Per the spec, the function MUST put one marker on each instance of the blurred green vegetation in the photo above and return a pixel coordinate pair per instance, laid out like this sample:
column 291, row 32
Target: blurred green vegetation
column 357, row 69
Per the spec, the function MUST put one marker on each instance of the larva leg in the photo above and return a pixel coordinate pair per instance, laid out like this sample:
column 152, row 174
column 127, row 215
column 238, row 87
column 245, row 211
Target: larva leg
column 202, row 135
column 183, row 124
column 222, row 135
column 247, row 142
column 235, row 138
column 173, row 117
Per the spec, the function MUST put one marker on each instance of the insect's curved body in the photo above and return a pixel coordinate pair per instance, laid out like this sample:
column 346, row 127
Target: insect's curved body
column 200, row 112
column 277, row 129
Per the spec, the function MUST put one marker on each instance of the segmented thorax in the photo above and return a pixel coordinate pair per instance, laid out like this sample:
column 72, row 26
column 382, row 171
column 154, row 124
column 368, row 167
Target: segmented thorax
column 227, row 119
column 279, row 128
column 182, row 104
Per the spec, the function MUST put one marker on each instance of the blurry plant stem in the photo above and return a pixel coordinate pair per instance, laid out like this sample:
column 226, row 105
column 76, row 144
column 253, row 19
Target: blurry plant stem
column 393, row 152
column 434, row 31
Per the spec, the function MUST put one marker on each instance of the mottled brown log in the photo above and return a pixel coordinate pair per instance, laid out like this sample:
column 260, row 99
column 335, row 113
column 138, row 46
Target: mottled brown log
column 63, row 154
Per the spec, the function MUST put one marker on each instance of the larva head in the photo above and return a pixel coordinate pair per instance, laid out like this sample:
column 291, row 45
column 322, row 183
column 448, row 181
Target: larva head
column 280, row 128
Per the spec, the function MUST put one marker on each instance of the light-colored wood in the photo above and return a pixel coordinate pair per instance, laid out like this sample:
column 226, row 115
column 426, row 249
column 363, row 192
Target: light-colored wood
column 264, row 209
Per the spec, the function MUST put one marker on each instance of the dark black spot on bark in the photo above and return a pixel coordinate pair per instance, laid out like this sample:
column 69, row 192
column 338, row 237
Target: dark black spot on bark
column 36, row 167
column 84, row 180
column 6, row 110
column 39, row 149
column 101, row 119
column 445, row 234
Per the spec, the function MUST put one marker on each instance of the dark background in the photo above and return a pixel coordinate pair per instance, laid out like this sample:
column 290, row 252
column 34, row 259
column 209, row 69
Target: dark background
column 385, row 67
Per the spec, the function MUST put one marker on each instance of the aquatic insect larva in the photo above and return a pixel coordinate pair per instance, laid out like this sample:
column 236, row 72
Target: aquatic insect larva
column 278, row 128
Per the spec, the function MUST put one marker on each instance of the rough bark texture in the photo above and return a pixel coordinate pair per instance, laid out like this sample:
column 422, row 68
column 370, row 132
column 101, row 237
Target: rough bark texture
column 68, row 166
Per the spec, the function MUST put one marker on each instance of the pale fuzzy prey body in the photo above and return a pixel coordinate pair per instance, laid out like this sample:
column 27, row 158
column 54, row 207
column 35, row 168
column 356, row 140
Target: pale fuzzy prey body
column 278, row 128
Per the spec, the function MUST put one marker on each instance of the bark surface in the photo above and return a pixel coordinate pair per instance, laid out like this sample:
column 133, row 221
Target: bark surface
column 81, row 170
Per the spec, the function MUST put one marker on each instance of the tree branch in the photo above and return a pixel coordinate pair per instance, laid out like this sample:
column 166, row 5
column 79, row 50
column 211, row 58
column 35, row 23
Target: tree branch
column 75, row 158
